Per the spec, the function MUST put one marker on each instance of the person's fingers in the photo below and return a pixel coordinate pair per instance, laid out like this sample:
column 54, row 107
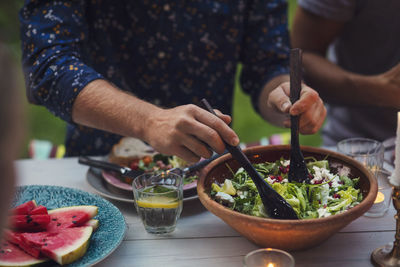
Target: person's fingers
column 279, row 99
column 308, row 97
column 218, row 125
column 226, row 118
column 312, row 120
column 196, row 146
column 208, row 136
column 187, row 155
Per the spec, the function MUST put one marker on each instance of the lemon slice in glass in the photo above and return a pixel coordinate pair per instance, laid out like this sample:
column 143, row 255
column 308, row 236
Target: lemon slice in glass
column 160, row 202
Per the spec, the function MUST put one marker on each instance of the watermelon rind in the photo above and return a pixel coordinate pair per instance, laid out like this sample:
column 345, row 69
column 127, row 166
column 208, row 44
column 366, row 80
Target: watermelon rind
column 75, row 251
column 91, row 210
column 72, row 216
column 93, row 223
column 64, row 247
column 18, row 258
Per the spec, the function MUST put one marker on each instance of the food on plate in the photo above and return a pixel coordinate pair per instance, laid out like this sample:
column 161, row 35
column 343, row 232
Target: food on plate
column 158, row 163
column 65, row 246
column 39, row 210
column 64, row 239
column 129, row 149
column 93, row 223
column 24, row 208
column 327, row 194
column 70, row 216
column 135, row 154
column 12, row 255
column 28, row 222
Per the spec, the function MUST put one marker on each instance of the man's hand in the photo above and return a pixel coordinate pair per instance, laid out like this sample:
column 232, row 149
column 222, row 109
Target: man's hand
column 189, row 132
column 309, row 107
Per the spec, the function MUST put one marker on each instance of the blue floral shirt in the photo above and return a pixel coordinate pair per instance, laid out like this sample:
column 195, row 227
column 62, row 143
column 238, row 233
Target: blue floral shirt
column 166, row 52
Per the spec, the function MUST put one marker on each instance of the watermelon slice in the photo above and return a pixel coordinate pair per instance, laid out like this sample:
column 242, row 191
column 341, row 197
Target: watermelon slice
column 70, row 217
column 93, row 223
column 11, row 255
column 15, row 238
column 29, row 222
column 38, row 210
column 24, row 208
column 65, row 246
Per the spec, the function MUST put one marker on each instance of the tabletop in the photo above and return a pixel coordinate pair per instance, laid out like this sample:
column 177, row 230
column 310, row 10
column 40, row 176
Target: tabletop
column 201, row 238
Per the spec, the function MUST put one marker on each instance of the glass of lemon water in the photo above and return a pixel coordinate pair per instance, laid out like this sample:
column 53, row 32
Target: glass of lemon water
column 158, row 200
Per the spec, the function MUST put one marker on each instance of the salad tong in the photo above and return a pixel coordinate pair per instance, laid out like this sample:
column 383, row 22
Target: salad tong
column 275, row 205
column 298, row 171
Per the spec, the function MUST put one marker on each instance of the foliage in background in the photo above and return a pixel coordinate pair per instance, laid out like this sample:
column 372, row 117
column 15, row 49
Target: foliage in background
column 43, row 125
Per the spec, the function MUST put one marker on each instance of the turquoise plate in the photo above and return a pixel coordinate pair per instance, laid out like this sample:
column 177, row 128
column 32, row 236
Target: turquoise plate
column 112, row 226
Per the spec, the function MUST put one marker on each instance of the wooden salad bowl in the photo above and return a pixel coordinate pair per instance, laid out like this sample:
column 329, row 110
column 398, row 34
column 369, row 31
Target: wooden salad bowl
column 289, row 235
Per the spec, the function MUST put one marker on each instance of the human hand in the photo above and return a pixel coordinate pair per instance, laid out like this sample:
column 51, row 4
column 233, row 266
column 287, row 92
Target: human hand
column 388, row 86
column 309, row 107
column 188, row 132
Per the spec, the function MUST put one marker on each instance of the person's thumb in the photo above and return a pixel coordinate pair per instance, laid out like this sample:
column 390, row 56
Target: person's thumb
column 280, row 100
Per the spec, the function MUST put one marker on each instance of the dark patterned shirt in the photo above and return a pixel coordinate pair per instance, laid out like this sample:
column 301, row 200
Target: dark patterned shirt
column 166, row 52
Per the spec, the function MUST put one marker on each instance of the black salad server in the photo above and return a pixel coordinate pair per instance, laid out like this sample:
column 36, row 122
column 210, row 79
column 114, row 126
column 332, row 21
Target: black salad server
column 298, row 171
column 275, row 205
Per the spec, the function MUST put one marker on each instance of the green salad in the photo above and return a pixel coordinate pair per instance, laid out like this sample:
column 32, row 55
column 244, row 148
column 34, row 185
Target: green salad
column 326, row 194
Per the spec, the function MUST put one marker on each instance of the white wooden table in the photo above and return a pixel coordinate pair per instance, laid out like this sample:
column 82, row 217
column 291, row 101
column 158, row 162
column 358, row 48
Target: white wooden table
column 202, row 239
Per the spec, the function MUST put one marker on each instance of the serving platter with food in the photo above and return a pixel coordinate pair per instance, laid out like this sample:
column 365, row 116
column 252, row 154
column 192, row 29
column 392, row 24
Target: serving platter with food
column 112, row 176
column 60, row 225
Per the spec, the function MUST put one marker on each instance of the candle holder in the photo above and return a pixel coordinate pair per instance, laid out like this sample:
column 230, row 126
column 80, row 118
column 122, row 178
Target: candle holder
column 268, row 257
column 387, row 256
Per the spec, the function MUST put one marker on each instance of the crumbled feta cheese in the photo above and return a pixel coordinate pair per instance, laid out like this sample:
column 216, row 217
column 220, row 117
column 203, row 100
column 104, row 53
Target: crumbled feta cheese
column 224, row 197
column 285, row 163
column 270, row 181
column 322, row 212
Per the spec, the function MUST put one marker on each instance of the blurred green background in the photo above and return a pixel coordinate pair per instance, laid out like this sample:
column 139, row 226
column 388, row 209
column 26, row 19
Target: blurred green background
column 41, row 124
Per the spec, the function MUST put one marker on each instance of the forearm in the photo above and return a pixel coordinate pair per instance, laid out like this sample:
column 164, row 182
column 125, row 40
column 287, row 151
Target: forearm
column 336, row 85
column 101, row 105
column 268, row 112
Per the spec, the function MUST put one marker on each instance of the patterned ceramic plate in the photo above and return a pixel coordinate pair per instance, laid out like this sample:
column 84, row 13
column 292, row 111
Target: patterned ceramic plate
column 112, row 225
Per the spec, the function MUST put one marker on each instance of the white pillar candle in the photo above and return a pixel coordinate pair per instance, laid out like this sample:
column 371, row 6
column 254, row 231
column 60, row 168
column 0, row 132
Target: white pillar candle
column 395, row 177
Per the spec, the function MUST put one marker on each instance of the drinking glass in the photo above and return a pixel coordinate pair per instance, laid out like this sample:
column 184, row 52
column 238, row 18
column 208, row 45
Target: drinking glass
column 158, row 200
column 371, row 154
column 268, row 257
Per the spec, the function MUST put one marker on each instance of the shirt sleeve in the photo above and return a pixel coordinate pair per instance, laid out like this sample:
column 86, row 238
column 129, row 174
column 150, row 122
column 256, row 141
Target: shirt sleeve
column 53, row 33
column 265, row 50
column 339, row 10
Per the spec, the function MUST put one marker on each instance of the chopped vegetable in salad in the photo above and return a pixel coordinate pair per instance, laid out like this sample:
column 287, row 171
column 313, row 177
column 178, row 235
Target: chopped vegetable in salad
column 161, row 162
column 327, row 194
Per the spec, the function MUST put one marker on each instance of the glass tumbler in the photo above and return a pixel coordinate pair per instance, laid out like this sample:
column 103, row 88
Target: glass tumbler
column 371, row 154
column 158, row 200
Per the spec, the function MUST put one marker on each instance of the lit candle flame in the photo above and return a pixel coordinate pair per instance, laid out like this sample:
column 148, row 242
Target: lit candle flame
column 271, row 265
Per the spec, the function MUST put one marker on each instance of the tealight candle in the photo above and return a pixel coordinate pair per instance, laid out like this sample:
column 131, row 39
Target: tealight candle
column 268, row 257
column 395, row 177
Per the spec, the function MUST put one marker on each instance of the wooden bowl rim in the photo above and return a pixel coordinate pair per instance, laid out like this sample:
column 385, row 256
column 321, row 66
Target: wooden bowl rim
column 354, row 212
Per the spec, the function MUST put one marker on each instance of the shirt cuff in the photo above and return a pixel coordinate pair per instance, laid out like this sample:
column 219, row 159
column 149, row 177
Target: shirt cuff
column 68, row 88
